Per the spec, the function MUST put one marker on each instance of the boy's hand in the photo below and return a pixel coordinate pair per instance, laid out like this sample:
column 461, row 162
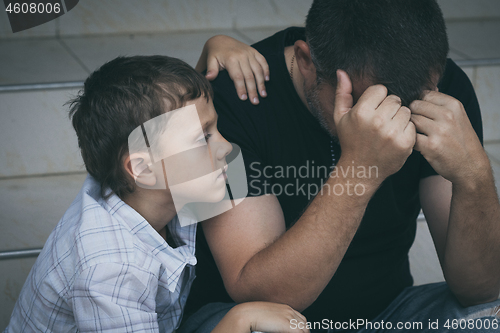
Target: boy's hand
column 262, row 317
column 246, row 67
column 446, row 138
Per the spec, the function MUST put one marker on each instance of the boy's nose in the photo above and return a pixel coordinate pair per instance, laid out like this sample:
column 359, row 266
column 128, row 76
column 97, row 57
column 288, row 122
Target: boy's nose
column 224, row 149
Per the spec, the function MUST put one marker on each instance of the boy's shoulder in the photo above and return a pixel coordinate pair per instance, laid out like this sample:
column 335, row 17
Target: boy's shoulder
column 95, row 230
column 101, row 245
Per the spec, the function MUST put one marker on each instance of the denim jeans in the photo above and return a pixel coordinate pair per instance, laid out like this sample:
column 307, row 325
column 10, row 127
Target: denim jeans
column 433, row 308
column 426, row 308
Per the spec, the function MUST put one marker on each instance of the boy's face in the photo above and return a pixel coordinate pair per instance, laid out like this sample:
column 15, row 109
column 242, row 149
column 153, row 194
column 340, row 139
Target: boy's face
column 187, row 148
column 196, row 168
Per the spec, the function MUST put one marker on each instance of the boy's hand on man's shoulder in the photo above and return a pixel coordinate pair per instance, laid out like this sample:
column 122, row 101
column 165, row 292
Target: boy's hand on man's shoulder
column 245, row 65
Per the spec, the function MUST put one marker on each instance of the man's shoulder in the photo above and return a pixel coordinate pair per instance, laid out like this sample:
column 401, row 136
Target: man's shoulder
column 254, row 126
column 276, row 42
column 457, row 84
column 454, row 81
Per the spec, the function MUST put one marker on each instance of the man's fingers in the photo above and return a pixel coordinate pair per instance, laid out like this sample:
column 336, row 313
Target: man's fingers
column 423, row 124
column 421, row 142
column 373, row 96
column 410, row 130
column 212, row 68
column 425, row 108
column 402, row 117
column 389, row 106
column 436, row 97
column 258, row 72
column 410, row 133
column 343, row 96
column 402, row 121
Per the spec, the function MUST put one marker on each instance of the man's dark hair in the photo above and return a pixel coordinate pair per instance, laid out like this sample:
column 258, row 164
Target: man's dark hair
column 401, row 44
column 120, row 96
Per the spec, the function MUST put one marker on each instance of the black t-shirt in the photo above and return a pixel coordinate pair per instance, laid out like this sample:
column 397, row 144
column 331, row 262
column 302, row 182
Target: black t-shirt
column 284, row 146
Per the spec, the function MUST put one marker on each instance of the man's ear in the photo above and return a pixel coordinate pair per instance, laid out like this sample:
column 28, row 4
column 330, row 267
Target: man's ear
column 136, row 165
column 304, row 61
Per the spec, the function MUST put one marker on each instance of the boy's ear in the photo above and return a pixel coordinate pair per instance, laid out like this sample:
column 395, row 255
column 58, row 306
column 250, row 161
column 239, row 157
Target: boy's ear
column 136, row 165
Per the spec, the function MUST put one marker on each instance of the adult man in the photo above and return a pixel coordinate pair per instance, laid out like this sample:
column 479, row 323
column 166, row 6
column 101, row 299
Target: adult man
column 335, row 245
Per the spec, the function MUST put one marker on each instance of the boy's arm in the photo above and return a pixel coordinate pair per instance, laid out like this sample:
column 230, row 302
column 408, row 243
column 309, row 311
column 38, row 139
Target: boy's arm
column 113, row 296
column 262, row 317
column 247, row 68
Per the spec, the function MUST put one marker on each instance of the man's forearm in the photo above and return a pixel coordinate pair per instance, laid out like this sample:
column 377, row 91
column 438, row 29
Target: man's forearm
column 472, row 253
column 309, row 253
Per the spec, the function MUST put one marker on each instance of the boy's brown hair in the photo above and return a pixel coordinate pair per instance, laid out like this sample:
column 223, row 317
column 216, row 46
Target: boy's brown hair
column 120, row 96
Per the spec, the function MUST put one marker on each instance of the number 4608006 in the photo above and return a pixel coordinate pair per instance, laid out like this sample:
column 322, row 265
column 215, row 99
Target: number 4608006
column 33, row 8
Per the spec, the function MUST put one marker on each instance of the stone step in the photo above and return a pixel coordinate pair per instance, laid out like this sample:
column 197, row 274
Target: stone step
column 37, row 137
column 97, row 17
column 30, row 208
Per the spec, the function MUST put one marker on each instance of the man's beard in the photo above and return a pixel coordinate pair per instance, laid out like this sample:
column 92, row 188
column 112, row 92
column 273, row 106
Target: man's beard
column 312, row 99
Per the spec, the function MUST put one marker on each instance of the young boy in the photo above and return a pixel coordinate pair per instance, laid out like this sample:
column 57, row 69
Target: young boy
column 121, row 259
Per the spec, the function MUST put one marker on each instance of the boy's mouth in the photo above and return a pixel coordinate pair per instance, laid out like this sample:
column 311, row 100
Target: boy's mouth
column 223, row 173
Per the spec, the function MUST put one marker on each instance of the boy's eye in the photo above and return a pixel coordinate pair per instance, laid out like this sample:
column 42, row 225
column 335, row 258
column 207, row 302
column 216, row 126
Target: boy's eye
column 205, row 137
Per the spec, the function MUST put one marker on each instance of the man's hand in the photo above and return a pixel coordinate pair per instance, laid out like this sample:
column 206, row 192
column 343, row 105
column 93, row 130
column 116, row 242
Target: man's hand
column 446, row 138
column 246, row 67
column 462, row 215
column 377, row 131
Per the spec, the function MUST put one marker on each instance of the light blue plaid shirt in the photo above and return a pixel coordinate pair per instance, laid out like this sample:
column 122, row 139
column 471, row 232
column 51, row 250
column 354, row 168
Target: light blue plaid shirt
column 105, row 269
